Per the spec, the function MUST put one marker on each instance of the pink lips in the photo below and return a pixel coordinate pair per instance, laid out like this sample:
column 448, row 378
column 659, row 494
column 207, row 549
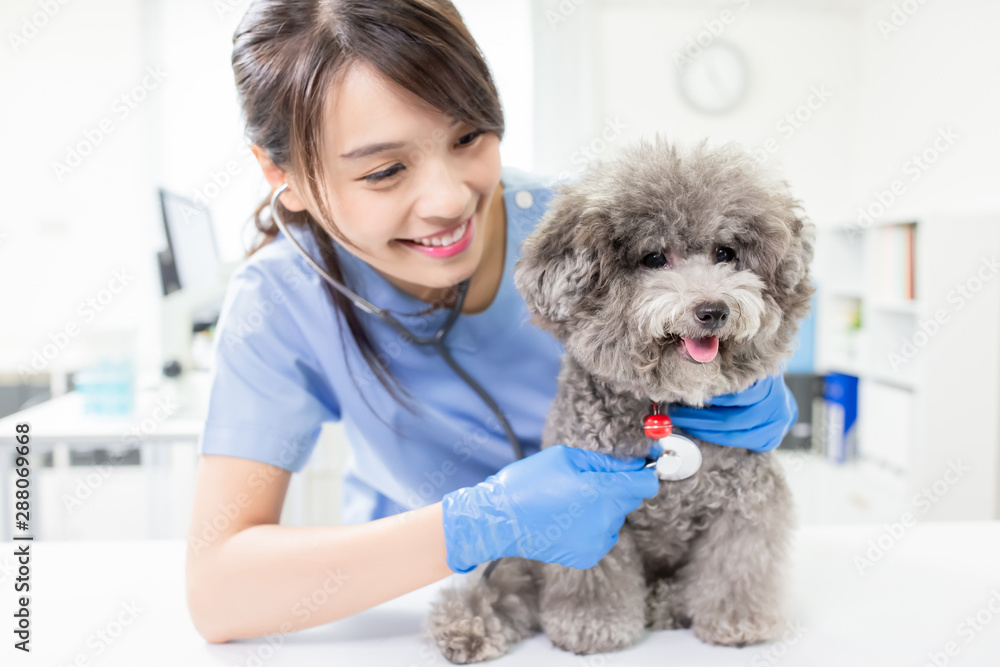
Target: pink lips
column 702, row 350
column 440, row 252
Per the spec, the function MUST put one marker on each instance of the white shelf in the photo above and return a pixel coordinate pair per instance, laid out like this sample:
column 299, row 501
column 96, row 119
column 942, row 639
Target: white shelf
column 899, row 307
column 928, row 390
column 903, row 382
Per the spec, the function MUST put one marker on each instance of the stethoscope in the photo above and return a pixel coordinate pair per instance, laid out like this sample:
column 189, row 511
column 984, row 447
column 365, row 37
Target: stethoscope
column 678, row 464
column 436, row 341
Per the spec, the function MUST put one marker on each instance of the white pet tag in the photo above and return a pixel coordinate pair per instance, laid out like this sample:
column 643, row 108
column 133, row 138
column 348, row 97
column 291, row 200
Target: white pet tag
column 681, row 458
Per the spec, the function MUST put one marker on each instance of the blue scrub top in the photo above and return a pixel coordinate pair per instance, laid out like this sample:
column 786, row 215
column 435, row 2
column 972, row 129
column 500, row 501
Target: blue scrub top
column 283, row 366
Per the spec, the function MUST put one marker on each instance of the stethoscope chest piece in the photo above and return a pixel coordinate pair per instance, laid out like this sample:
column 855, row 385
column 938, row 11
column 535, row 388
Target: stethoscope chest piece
column 680, row 459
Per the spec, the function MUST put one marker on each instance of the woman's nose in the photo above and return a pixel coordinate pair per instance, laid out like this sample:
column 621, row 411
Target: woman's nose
column 443, row 193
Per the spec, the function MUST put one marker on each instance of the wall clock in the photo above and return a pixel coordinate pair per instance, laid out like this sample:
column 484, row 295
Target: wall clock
column 715, row 80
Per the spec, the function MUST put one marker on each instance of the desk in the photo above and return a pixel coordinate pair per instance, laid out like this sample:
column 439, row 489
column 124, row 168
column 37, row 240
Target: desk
column 173, row 412
column 909, row 603
column 62, row 420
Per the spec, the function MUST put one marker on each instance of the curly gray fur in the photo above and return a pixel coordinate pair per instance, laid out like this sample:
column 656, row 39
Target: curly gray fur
column 708, row 552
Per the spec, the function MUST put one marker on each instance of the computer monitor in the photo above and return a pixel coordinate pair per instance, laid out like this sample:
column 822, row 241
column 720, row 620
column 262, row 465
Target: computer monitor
column 191, row 260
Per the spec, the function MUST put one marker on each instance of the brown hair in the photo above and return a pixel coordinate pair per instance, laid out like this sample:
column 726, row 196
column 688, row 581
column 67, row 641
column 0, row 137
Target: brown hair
column 287, row 54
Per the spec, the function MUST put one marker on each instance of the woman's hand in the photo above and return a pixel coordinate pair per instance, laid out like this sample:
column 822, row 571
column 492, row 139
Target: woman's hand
column 756, row 418
column 560, row 505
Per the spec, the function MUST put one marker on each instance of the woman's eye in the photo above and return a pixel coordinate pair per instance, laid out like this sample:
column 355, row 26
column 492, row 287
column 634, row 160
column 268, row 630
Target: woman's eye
column 654, row 260
column 470, row 137
column 724, row 254
column 385, row 173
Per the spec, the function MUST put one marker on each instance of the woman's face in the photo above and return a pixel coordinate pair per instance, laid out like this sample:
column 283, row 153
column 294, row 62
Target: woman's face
column 397, row 170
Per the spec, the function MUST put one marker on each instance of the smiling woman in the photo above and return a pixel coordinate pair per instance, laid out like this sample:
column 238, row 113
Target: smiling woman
column 393, row 203
column 357, row 173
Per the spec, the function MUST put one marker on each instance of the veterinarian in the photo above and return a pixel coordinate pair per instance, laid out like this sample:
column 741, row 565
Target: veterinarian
column 378, row 124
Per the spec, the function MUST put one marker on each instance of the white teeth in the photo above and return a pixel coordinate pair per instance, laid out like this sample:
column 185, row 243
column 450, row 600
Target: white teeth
column 445, row 240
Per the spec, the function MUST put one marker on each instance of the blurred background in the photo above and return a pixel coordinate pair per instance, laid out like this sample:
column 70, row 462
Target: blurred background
column 130, row 191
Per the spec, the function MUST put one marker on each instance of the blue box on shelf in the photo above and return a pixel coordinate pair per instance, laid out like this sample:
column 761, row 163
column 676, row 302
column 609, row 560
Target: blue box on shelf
column 840, row 397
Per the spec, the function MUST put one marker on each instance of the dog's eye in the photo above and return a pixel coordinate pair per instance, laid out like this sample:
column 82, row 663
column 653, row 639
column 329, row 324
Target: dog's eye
column 654, row 260
column 724, row 254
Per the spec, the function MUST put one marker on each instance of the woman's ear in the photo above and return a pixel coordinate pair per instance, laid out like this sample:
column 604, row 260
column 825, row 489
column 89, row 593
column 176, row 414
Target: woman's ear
column 553, row 273
column 276, row 178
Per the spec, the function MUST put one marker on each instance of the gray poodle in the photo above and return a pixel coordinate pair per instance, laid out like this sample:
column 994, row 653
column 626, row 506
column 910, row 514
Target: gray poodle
column 631, row 266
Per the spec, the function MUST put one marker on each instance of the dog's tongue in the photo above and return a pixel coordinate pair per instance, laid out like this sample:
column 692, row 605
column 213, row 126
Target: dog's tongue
column 702, row 349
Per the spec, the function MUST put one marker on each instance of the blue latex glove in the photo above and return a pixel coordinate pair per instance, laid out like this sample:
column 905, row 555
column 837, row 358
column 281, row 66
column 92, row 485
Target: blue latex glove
column 560, row 505
column 756, row 418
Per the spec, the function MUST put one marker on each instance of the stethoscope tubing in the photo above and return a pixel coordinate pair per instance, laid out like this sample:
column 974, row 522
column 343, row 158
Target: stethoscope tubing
column 437, row 340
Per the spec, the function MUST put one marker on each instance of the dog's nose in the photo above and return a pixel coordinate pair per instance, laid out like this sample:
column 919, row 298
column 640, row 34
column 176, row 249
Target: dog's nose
column 712, row 314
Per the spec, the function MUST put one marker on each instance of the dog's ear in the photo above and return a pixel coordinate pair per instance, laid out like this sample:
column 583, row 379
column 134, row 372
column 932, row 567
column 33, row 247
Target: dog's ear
column 792, row 281
column 554, row 272
column 780, row 247
column 792, row 273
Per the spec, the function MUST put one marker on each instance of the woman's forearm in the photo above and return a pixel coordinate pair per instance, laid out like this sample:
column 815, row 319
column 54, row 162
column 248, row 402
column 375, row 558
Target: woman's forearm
column 270, row 579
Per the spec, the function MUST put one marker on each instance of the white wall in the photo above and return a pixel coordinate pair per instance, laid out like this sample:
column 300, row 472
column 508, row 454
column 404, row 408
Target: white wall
column 789, row 53
column 503, row 31
column 603, row 60
column 630, row 47
column 65, row 237
column 940, row 69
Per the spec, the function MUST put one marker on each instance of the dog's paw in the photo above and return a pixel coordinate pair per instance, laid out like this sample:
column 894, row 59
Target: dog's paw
column 586, row 639
column 594, row 633
column 466, row 628
column 468, row 640
column 736, row 631
column 664, row 608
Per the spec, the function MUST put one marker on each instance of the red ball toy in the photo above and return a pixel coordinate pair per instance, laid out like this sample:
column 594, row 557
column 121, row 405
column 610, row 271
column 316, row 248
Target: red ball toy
column 658, row 426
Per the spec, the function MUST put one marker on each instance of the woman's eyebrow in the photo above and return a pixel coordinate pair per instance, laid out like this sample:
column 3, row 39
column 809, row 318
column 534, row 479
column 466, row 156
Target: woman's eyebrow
column 371, row 149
